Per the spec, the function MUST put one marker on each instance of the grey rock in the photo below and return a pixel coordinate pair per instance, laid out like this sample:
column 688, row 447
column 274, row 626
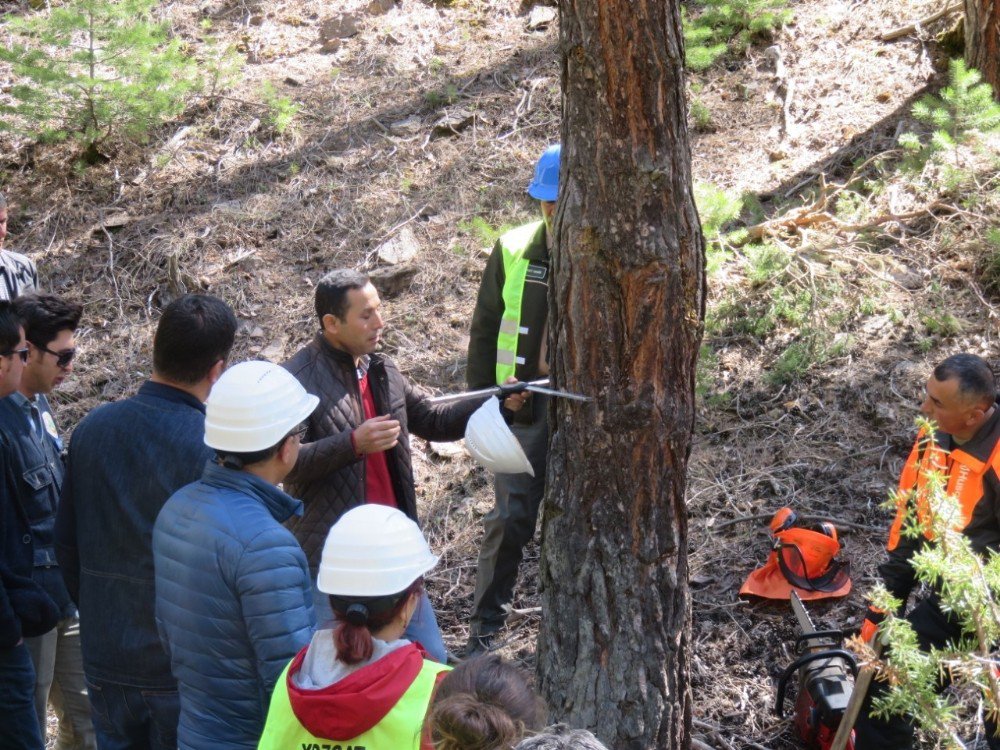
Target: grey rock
column 540, row 17
column 399, row 249
column 409, row 126
column 885, row 415
column 447, row 450
column 275, row 351
column 393, row 279
column 336, row 28
column 378, row 7
column 453, row 121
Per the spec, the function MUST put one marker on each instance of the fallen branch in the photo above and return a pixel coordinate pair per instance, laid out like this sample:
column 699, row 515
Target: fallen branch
column 930, row 208
column 513, row 615
column 798, row 217
column 784, row 90
column 888, row 36
column 239, row 258
column 817, row 214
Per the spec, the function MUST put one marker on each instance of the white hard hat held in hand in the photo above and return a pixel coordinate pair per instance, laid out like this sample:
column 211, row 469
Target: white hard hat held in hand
column 253, row 406
column 373, row 550
column 492, row 444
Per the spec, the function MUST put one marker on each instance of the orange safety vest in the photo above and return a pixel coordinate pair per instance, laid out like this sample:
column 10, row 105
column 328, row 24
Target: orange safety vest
column 965, row 483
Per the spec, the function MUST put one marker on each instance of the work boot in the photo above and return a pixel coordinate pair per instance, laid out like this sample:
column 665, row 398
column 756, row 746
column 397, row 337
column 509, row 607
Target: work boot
column 479, row 643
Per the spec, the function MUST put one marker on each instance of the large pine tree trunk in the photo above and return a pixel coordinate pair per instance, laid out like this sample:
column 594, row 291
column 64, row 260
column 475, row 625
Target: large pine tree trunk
column 982, row 40
column 626, row 309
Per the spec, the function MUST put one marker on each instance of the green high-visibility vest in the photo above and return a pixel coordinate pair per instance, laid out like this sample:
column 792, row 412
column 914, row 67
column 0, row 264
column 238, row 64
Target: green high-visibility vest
column 399, row 729
column 513, row 244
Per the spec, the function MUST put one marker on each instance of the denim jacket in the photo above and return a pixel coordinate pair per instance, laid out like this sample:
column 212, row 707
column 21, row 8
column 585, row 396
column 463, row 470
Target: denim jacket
column 37, row 467
column 125, row 460
column 25, row 609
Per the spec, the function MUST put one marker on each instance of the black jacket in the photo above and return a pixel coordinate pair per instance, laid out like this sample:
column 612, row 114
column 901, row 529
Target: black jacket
column 328, row 476
column 489, row 310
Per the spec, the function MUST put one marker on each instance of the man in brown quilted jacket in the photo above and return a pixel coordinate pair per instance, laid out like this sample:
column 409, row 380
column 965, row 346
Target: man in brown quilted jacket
column 357, row 447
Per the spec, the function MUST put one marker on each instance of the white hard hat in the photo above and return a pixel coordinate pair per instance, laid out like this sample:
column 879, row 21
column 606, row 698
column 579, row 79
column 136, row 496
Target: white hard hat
column 253, row 406
column 492, row 444
column 373, row 550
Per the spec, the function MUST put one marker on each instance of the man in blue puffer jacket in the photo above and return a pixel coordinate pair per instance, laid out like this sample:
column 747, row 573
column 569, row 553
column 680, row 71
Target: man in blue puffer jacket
column 233, row 591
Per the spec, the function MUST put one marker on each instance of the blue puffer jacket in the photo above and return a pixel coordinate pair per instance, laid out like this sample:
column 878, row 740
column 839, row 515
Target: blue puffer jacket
column 233, row 602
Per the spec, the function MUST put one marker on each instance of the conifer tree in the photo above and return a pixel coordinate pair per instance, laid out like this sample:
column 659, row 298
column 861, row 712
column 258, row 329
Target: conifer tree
column 94, row 70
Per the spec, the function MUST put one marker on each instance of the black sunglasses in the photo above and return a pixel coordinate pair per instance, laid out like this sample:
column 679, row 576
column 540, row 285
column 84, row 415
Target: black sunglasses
column 22, row 353
column 300, row 431
column 63, row 358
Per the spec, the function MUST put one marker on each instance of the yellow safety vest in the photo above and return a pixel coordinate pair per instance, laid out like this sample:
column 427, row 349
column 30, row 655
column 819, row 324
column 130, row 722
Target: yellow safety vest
column 513, row 245
column 399, row 729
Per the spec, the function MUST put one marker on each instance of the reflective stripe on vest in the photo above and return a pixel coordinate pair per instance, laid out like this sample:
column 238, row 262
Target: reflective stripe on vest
column 513, row 245
column 965, row 483
column 399, row 729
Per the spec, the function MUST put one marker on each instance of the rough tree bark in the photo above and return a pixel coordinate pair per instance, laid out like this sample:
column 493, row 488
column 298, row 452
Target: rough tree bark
column 982, row 40
column 626, row 308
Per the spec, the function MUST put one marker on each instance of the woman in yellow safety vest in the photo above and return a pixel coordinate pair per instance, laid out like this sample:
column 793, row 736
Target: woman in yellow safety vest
column 361, row 685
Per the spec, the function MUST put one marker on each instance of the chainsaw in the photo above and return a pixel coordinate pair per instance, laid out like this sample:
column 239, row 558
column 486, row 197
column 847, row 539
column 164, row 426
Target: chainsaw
column 825, row 682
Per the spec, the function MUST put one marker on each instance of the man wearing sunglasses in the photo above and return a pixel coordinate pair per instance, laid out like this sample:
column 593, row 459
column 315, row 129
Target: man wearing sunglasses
column 34, row 446
column 25, row 609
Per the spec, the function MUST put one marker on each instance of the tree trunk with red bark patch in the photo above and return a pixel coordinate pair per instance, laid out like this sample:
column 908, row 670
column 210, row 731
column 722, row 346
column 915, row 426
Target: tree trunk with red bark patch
column 627, row 303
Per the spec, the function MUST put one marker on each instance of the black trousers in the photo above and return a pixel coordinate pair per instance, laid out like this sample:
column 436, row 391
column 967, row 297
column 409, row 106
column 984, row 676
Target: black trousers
column 934, row 628
column 511, row 524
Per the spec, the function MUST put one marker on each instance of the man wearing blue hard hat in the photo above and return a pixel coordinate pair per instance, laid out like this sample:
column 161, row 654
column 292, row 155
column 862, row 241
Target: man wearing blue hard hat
column 507, row 340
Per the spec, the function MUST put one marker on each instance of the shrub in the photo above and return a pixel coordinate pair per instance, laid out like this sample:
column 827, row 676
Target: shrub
column 94, row 70
column 482, row 231
column 722, row 25
column 989, row 269
column 963, row 112
column 717, row 209
column 281, row 110
column 701, row 115
column 765, row 261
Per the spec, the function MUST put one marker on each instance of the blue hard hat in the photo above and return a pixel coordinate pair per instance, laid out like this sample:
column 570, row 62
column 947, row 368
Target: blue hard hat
column 545, row 186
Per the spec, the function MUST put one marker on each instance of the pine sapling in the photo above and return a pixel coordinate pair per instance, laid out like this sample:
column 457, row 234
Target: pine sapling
column 959, row 117
column 94, row 70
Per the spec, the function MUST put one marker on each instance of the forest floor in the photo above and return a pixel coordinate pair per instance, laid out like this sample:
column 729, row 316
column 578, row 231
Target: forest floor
column 227, row 200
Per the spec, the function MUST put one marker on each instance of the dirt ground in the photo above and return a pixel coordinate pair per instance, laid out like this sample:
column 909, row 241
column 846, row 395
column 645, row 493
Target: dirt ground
column 221, row 201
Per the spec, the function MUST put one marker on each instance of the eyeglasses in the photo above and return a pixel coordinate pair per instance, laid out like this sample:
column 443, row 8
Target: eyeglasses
column 63, row 358
column 22, row 353
column 300, row 431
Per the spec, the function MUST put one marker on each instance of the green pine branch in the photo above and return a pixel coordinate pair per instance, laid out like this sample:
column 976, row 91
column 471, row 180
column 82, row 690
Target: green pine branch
column 968, row 587
column 94, row 70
